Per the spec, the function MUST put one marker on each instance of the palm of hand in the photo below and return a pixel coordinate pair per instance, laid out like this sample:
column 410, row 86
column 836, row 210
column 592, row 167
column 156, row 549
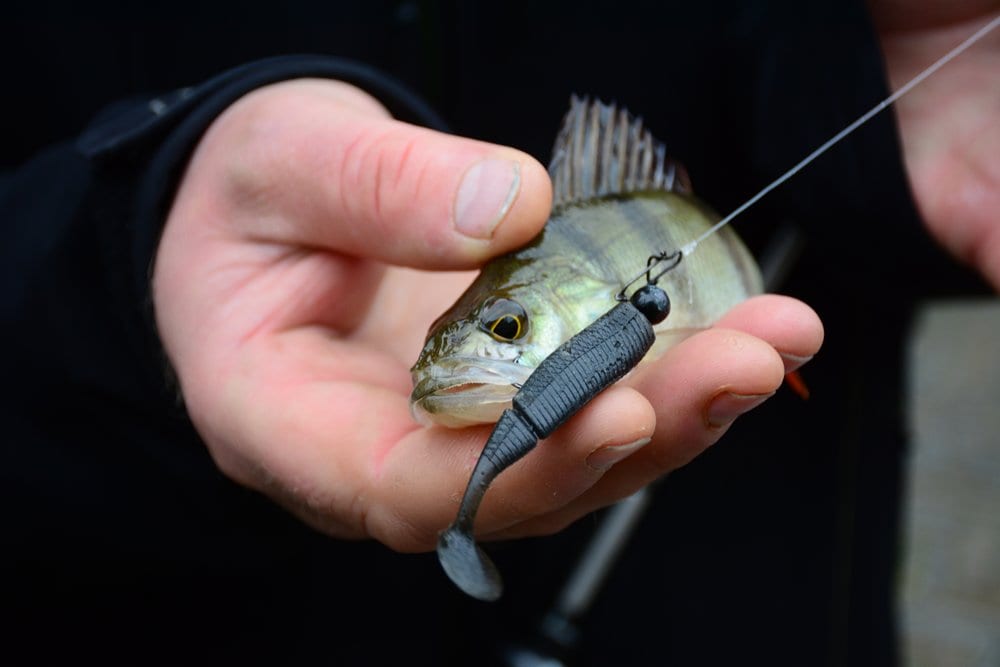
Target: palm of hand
column 291, row 329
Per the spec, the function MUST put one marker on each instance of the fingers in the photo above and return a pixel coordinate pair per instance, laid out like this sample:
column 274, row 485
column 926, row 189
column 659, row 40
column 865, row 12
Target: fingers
column 426, row 474
column 323, row 427
column 697, row 389
column 352, row 463
column 612, row 448
column 320, row 164
column 312, row 165
column 700, row 386
column 793, row 329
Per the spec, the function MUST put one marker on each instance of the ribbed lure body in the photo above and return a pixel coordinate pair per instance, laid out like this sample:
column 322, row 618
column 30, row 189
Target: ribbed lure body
column 564, row 382
column 584, row 365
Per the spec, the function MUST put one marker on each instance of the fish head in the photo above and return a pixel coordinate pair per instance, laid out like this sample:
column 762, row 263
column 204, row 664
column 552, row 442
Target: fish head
column 477, row 355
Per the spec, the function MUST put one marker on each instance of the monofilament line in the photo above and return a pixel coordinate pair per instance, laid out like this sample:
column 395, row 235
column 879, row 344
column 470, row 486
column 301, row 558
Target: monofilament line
column 689, row 248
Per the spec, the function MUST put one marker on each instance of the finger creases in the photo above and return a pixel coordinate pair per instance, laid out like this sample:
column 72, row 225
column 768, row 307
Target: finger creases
column 408, row 484
column 697, row 388
column 422, row 479
column 415, row 197
column 304, row 164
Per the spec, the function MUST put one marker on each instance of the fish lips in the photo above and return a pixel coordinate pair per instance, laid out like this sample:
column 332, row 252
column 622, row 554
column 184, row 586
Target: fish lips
column 462, row 392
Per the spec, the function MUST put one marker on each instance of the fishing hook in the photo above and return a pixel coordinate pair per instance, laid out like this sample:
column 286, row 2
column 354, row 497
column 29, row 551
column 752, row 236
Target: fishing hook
column 674, row 257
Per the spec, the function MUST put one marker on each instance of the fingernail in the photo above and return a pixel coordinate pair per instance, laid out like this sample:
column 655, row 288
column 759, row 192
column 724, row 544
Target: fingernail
column 794, row 361
column 606, row 456
column 727, row 406
column 485, row 195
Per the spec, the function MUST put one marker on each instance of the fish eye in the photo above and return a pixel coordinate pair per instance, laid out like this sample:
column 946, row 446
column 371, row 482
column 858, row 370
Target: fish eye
column 507, row 327
column 505, row 320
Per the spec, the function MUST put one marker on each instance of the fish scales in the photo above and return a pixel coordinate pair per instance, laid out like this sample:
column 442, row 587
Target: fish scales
column 617, row 199
column 612, row 238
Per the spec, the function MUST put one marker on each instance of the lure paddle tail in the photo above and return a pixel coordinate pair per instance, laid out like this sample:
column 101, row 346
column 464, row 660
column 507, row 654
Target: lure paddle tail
column 467, row 565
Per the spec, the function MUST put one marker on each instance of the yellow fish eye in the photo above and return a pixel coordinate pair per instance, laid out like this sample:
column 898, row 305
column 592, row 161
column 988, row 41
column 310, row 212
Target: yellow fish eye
column 507, row 327
column 504, row 319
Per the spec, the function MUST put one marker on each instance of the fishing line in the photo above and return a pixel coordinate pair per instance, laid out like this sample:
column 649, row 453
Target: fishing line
column 943, row 60
column 576, row 372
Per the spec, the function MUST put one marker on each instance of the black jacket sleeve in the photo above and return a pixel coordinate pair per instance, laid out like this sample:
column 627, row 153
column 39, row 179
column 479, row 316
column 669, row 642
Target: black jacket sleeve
column 139, row 150
column 89, row 412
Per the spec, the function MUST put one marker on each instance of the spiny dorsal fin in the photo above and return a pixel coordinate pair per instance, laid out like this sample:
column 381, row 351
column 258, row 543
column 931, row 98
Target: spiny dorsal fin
column 603, row 150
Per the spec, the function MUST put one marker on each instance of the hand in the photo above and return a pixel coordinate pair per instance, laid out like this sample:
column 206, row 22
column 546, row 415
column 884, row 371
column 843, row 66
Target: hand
column 299, row 269
column 950, row 123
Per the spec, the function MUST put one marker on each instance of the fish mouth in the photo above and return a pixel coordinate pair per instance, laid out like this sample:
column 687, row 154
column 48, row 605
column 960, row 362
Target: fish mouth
column 465, row 391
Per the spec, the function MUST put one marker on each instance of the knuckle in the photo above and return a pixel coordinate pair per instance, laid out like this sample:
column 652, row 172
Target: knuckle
column 254, row 140
column 384, row 167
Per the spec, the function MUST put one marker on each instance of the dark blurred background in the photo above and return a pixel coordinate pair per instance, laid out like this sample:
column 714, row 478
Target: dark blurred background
column 780, row 543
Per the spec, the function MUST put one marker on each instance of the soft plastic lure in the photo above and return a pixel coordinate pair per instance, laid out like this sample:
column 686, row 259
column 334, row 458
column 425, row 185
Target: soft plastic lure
column 563, row 383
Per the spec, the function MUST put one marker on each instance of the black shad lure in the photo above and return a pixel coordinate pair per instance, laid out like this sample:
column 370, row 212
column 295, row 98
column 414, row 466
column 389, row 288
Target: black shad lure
column 576, row 372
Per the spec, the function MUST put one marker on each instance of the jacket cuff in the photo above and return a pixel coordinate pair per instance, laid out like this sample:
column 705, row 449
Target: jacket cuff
column 139, row 149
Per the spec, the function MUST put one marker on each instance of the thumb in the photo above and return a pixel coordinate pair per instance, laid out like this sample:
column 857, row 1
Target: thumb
column 321, row 164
